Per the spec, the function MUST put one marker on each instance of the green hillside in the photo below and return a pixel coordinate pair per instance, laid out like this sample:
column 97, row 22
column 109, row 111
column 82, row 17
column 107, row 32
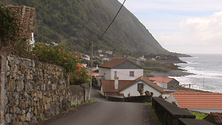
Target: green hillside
column 77, row 22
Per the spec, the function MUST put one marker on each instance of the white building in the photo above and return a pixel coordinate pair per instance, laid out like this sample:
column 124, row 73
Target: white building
column 128, row 88
column 121, row 68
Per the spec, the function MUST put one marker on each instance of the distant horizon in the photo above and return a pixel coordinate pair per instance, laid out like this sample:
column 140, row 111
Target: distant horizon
column 183, row 26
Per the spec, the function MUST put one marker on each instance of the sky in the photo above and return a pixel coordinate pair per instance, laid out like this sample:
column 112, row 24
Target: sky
column 182, row 26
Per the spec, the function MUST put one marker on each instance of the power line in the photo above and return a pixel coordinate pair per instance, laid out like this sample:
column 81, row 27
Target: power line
column 112, row 20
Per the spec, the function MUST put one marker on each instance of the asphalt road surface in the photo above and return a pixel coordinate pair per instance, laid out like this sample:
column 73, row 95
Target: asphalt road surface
column 107, row 113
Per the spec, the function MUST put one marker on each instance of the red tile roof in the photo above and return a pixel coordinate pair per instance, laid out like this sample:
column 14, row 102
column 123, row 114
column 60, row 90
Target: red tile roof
column 108, row 85
column 161, row 79
column 195, row 100
column 112, row 63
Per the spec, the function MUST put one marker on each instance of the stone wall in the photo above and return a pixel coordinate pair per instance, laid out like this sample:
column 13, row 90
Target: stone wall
column 170, row 114
column 31, row 91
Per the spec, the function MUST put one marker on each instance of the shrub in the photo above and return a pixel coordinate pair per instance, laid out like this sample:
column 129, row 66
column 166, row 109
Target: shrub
column 79, row 77
column 57, row 55
column 11, row 40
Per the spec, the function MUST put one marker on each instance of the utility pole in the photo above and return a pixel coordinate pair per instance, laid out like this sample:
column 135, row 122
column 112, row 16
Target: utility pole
column 91, row 59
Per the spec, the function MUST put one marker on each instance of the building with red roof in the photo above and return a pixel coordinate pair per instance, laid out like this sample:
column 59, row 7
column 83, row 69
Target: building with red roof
column 121, row 68
column 195, row 101
column 165, row 82
column 126, row 88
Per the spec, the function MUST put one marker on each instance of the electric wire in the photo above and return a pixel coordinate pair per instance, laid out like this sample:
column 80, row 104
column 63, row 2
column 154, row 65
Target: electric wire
column 112, row 20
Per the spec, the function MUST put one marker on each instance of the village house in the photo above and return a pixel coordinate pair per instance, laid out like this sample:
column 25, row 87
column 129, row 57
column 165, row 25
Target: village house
column 127, row 88
column 100, row 51
column 141, row 58
column 194, row 101
column 121, row 68
column 109, row 52
column 86, row 57
column 166, row 83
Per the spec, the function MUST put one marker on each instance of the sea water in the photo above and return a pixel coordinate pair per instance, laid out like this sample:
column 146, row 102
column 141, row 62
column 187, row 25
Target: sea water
column 206, row 69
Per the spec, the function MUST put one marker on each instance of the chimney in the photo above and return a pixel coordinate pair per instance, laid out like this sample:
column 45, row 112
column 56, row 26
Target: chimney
column 116, row 82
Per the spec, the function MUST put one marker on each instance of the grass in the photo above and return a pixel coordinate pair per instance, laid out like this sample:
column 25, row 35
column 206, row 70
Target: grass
column 148, row 103
column 92, row 101
column 154, row 113
column 75, row 106
column 41, row 117
column 198, row 115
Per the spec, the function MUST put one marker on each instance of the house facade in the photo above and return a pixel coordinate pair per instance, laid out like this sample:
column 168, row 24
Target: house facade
column 166, row 83
column 194, row 101
column 126, row 88
column 121, row 68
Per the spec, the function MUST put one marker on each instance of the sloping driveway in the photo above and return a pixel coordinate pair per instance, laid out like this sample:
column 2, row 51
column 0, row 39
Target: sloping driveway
column 107, row 113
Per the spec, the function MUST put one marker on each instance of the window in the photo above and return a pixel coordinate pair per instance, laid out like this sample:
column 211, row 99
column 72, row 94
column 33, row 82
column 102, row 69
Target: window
column 139, row 86
column 115, row 74
column 131, row 73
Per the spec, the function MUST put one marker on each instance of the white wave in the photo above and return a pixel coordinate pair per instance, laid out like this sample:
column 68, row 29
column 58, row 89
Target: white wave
column 188, row 62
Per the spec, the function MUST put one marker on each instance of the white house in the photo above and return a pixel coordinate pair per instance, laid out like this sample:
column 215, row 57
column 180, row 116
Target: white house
column 100, row 51
column 194, row 101
column 86, row 57
column 121, row 68
column 165, row 82
column 109, row 52
column 128, row 88
column 141, row 58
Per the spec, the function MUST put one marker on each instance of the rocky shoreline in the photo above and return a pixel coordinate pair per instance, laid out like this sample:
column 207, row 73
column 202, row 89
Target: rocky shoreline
column 175, row 73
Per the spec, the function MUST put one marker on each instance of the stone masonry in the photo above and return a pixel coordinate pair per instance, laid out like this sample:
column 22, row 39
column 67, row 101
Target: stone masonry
column 31, row 91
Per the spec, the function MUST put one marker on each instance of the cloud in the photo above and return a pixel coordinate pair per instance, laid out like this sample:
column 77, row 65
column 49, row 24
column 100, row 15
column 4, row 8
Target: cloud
column 182, row 25
column 201, row 33
column 175, row 5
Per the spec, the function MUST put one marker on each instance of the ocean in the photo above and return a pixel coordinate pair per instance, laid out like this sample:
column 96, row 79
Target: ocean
column 206, row 69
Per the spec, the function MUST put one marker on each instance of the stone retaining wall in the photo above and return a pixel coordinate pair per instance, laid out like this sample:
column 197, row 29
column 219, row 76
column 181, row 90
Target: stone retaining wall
column 31, row 91
column 170, row 114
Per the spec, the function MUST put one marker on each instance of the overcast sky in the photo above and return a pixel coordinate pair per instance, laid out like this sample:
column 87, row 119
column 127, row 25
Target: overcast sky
column 182, row 26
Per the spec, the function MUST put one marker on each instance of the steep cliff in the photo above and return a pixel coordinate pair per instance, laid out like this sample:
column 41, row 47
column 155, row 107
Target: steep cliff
column 77, row 22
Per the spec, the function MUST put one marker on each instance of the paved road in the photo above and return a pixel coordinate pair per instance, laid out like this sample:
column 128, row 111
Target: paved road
column 107, row 113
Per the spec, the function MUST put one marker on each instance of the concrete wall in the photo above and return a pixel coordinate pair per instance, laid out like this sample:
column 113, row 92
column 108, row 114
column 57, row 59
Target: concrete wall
column 123, row 74
column 80, row 94
column 32, row 91
column 105, row 72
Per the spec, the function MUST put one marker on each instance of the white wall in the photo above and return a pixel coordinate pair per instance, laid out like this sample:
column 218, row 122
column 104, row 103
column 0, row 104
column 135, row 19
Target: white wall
column 171, row 99
column 163, row 85
column 107, row 72
column 123, row 74
column 133, row 90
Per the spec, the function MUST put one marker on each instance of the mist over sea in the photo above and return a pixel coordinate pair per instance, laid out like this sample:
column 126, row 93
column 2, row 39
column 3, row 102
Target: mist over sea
column 207, row 70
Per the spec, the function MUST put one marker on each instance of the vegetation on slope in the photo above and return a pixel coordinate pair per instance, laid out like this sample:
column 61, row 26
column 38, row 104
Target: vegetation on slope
column 77, row 22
